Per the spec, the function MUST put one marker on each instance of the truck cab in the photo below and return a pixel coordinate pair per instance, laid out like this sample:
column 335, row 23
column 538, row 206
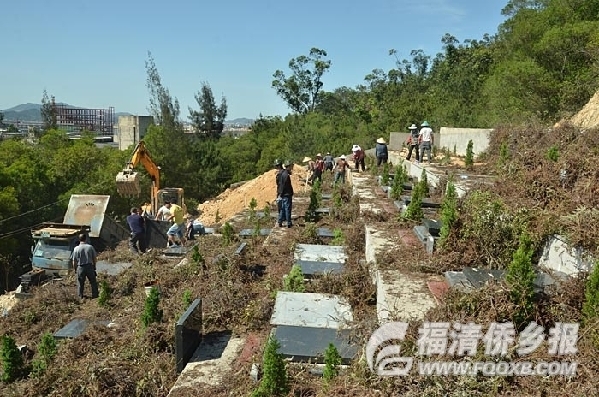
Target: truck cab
column 53, row 245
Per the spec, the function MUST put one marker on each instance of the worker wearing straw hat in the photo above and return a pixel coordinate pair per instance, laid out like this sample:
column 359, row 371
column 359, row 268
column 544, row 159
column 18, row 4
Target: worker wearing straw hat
column 412, row 142
column 381, row 152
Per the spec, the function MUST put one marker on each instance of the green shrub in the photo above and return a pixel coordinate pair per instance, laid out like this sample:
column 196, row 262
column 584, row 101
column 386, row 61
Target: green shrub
column 423, row 183
column 12, row 360
column 187, row 299
column 385, row 175
column 332, row 360
column 469, row 155
column 401, row 177
column 449, row 211
column 105, row 293
column 294, row 282
column 552, row 154
column 227, row 233
column 151, row 314
column 414, row 211
column 275, row 381
column 253, row 205
column 520, row 277
column 590, row 307
column 503, row 154
column 338, row 238
column 197, row 259
column 46, row 351
column 217, row 217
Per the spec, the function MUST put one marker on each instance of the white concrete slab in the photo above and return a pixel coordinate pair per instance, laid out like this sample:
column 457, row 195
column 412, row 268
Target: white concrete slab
column 320, row 253
column 401, row 297
column 376, row 243
column 361, row 188
column 311, row 310
column 559, row 256
column 210, row 362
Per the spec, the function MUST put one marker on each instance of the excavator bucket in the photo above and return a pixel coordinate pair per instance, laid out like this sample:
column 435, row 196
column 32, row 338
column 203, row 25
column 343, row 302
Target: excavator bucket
column 127, row 183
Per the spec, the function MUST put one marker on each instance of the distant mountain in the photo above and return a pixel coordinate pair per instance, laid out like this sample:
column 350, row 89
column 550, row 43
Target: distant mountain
column 240, row 121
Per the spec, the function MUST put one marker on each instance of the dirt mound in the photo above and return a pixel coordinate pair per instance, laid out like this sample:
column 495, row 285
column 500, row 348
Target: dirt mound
column 588, row 117
column 233, row 201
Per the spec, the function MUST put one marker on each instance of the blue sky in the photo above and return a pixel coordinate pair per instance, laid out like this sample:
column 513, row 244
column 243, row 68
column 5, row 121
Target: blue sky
column 92, row 54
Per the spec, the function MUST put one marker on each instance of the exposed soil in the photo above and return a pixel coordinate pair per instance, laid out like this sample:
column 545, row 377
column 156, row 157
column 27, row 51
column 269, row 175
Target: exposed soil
column 588, row 117
column 233, row 201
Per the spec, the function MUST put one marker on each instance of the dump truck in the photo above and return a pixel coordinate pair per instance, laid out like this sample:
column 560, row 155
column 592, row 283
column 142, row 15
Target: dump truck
column 53, row 243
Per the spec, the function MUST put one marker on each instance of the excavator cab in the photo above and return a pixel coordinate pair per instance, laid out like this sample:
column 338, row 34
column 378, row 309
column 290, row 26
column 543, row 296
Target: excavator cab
column 127, row 183
column 172, row 194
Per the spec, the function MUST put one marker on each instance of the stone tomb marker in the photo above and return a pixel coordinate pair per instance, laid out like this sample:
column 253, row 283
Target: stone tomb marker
column 76, row 327
column 188, row 334
column 304, row 344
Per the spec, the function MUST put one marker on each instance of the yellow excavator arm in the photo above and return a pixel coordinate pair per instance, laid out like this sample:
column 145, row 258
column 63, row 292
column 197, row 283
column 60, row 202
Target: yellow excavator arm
column 127, row 181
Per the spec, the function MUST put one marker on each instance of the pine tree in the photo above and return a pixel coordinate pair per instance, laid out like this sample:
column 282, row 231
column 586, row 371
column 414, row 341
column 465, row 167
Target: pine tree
column 151, row 313
column 294, row 282
column 449, row 211
column 423, row 183
column 12, row 360
column 46, row 351
column 469, row 161
column 520, row 277
column 332, row 360
column 275, row 381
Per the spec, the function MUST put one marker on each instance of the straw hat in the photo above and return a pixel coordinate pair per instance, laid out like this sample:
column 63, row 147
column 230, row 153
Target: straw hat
column 319, row 155
column 412, row 127
column 306, row 159
column 381, row 140
column 342, row 157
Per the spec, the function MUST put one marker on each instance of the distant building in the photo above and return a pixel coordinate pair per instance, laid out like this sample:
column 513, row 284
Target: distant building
column 131, row 129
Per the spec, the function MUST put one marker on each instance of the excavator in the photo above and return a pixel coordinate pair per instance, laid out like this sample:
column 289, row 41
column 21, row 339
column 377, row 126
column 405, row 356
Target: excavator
column 128, row 184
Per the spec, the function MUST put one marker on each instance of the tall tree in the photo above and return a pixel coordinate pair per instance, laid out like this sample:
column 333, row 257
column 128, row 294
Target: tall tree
column 49, row 112
column 209, row 119
column 302, row 89
column 163, row 107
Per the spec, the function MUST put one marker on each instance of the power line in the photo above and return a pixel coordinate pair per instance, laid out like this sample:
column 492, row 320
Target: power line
column 32, row 211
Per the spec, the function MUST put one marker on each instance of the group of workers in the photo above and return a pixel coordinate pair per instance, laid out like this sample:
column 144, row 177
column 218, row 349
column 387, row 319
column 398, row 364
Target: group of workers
column 419, row 141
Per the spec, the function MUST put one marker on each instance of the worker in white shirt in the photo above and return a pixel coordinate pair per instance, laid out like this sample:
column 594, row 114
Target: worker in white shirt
column 426, row 140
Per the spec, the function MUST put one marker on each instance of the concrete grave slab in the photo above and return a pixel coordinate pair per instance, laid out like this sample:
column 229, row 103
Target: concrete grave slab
column 433, row 226
column 479, row 277
column 402, row 297
column 320, row 253
column 422, row 233
column 112, row 269
column 458, row 280
column 76, row 327
column 426, row 202
column 401, row 205
column 209, row 230
column 323, row 232
column 311, row 310
column 250, row 232
column 210, row 362
column 323, row 211
column 543, row 280
column 314, row 268
column 559, row 256
column 326, row 196
column 176, row 250
column 302, row 344
column 241, row 248
column 376, row 243
column 188, row 334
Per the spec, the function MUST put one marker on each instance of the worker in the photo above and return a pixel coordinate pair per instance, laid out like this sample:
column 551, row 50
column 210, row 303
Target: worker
column 163, row 213
column 84, row 259
column 177, row 229
column 137, row 225
column 426, row 140
column 285, row 194
column 358, row 157
column 317, row 169
column 278, row 167
column 340, row 169
column 329, row 162
column 381, row 152
column 412, row 142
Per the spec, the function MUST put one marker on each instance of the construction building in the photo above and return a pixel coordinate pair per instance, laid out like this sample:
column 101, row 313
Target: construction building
column 131, row 129
column 75, row 120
